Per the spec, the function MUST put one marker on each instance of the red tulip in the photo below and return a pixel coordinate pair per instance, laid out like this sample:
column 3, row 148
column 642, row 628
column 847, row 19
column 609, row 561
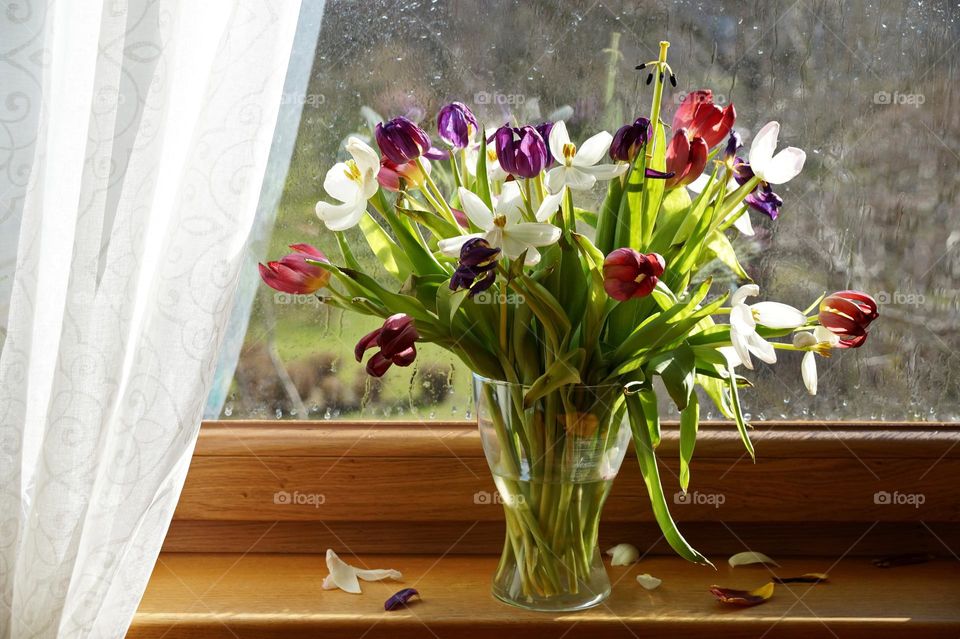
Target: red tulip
column 686, row 159
column 628, row 273
column 848, row 315
column 704, row 119
column 396, row 340
column 293, row 274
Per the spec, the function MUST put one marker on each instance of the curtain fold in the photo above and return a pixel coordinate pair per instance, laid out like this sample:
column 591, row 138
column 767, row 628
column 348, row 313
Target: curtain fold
column 154, row 120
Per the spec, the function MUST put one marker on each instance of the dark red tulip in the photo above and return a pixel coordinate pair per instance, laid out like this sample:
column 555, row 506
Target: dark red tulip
column 628, row 273
column 704, row 119
column 848, row 314
column 396, row 340
column 293, row 274
column 686, row 159
column 401, row 140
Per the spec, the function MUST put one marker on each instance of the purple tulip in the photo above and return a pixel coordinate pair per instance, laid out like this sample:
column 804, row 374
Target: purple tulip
column 762, row 198
column 400, row 599
column 401, row 140
column 734, row 142
column 544, row 129
column 456, row 124
column 629, row 139
column 477, row 268
column 397, row 342
column 524, row 157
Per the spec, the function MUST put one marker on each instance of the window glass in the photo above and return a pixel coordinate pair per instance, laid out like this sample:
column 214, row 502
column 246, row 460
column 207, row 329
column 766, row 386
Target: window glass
column 868, row 89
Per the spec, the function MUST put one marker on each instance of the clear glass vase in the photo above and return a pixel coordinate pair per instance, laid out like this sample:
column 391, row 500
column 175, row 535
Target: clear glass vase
column 554, row 457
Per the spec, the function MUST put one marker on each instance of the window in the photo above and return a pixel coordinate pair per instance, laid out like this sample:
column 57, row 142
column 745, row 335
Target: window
column 865, row 92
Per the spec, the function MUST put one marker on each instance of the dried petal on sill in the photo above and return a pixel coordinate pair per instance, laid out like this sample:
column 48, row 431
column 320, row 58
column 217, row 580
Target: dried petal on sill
column 744, row 598
column 750, row 557
column 400, row 599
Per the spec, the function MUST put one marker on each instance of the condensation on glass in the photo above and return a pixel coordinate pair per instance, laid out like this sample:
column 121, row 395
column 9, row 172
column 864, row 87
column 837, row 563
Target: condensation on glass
column 868, row 89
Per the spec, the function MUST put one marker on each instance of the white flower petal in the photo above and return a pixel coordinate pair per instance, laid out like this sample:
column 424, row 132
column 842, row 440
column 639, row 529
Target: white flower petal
column 605, row 171
column 804, row 340
column 593, row 150
column 342, row 575
column 649, row 581
column 730, row 353
column 743, row 223
column 366, row 158
column 451, row 246
column 778, row 315
column 749, row 557
column 763, row 146
column 623, row 554
column 533, row 233
column 549, row 206
column 826, row 335
column 514, row 248
column 339, row 185
column 476, row 210
column 741, row 320
column 762, row 349
column 700, row 183
column 558, row 138
column 340, row 217
column 571, row 177
column 784, row 166
column 378, row 574
column 808, row 370
column 739, row 345
column 742, row 293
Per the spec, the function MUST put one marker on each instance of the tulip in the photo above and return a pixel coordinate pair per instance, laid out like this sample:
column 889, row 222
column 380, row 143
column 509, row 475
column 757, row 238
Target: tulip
column 544, row 129
column 401, row 140
column 294, row 274
column 456, row 125
column 629, row 139
column 390, row 174
column 686, row 159
column 628, row 273
column 477, row 268
column 704, row 119
column 848, row 315
column 524, row 157
column 396, row 340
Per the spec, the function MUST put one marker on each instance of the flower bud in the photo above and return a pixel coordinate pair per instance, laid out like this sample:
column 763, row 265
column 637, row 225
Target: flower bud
column 401, row 140
column 293, row 274
column 521, row 151
column 456, row 125
column 628, row 274
column 848, row 315
column 629, row 139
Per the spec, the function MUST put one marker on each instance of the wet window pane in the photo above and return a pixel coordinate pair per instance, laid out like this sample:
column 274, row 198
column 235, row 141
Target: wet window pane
column 868, row 89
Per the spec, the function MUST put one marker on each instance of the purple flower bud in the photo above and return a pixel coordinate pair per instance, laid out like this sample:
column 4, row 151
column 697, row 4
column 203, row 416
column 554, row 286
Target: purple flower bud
column 629, row 139
column 396, row 340
column 456, row 124
column 524, row 157
column 733, row 143
column 401, row 140
column 477, row 268
column 544, row 129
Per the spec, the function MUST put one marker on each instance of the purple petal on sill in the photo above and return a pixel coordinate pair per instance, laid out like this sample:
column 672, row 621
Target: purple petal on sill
column 400, row 599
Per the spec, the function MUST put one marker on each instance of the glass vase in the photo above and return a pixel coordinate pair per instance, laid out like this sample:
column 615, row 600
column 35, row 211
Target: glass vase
column 554, row 456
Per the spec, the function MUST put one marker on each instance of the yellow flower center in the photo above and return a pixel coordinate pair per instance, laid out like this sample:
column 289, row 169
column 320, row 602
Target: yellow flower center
column 569, row 150
column 491, row 155
column 500, row 221
column 353, row 171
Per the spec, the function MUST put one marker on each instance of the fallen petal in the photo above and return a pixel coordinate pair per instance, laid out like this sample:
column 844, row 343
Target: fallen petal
column 648, row 581
column 345, row 577
column 623, row 554
column 749, row 557
column 400, row 599
column 807, row 578
column 379, row 574
column 743, row 597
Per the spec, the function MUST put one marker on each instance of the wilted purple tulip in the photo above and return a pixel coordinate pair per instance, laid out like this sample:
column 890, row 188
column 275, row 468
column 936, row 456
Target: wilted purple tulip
column 521, row 151
column 396, row 340
column 544, row 129
column 762, row 198
column 401, row 140
column 628, row 273
column 477, row 268
column 456, row 124
column 629, row 139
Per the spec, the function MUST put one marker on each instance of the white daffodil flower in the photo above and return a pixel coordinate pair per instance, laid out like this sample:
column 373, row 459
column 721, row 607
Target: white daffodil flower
column 578, row 168
column 346, row 577
column 770, row 168
column 744, row 319
column 352, row 183
column 820, row 342
column 502, row 227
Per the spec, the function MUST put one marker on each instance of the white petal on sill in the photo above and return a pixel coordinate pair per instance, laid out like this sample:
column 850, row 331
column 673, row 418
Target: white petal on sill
column 345, row 577
column 649, row 581
column 623, row 554
column 750, row 557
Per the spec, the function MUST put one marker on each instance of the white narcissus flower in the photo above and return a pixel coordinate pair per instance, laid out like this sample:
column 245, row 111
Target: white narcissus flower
column 770, row 168
column 345, row 577
column 352, row 183
column 502, row 227
column 744, row 319
column 578, row 168
column 819, row 342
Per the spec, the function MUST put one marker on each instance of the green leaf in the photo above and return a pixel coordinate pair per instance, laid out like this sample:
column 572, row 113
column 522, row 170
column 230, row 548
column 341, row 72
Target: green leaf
column 689, row 421
column 607, row 219
column 388, row 253
column 719, row 247
column 482, row 183
column 738, row 413
column 677, row 373
column 651, row 476
column 564, row 370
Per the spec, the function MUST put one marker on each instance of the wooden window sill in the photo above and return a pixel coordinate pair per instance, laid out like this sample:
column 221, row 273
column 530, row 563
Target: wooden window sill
column 266, row 596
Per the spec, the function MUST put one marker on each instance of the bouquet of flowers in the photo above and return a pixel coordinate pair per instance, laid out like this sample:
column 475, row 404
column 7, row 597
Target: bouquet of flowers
column 567, row 315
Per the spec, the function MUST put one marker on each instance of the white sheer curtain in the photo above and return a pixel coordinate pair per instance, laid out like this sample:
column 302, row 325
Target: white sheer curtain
column 133, row 140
